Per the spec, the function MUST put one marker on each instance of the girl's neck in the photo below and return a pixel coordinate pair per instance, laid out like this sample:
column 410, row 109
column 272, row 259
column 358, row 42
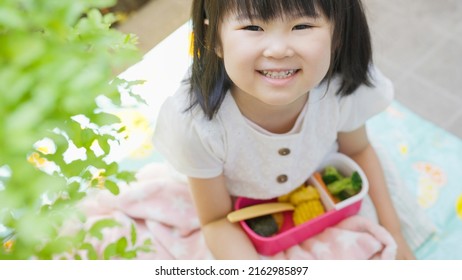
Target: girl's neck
column 275, row 119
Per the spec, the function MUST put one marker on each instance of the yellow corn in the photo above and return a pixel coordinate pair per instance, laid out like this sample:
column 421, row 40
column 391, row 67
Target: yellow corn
column 307, row 211
column 303, row 194
column 286, row 197
column 306, row 200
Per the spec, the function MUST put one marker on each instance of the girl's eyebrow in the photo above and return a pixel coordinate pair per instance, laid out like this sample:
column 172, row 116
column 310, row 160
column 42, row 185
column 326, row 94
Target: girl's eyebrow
column 247, row 17
column 244, row 17
column 301, row 15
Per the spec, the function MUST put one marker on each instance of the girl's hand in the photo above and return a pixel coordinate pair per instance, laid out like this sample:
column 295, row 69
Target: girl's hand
column 404, row 251
column 224, row 239
column 356, row 145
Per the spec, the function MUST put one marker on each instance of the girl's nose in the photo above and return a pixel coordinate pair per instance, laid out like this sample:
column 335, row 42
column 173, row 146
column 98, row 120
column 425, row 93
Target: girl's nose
column 278, row 49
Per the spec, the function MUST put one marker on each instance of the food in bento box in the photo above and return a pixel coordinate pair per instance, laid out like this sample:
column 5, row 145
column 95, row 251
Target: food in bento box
column 307, row 204
column 338, row 185
column 267, row 225
column 300, row 194
column 307, row 210
column 292, row 231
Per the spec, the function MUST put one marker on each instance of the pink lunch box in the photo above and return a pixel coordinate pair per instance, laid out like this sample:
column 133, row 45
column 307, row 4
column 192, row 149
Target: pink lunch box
column 289, row 234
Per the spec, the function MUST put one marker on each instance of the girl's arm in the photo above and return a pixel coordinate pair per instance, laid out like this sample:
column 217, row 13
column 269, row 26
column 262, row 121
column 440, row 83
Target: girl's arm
column 356, row 145
column 224, row 239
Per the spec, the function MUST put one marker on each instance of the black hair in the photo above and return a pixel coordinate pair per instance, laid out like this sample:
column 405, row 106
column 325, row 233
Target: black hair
column 351, row 43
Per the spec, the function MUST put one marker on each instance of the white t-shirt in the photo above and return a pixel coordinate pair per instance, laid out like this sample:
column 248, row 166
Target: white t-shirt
column 257, row 163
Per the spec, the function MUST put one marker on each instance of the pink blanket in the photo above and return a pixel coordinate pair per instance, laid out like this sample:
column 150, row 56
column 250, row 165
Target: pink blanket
column 162, row 211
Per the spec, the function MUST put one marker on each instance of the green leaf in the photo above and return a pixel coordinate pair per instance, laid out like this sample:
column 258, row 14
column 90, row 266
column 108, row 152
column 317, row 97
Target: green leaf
column 89, row 77
column 129, row 254
column 79, row 237
column 105, row 119
column 103, row 3
column 26, row 50
column 109, row 18
column 10, row 18
column 133, row 234
column 112, row 187
column 110, row 251
column 147, row 246
column 87, row 137
column 122, row 244
column 74, row 168
column 126, row 176
column 97, row 227
column 112, row 169
column 91, row 252
column 26, row 117
column 74, row 191
column 16, row 84
column 56, row 246
column 104, row 144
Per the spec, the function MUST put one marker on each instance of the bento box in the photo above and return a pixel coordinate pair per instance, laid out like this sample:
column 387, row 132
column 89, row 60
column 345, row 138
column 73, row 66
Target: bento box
column 335, row 211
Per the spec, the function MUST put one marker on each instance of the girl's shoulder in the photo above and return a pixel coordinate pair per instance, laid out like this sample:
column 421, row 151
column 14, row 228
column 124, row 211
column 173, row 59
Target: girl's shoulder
column 187, row 139
column 177, row 112
column 381, row 87
column 366, row 101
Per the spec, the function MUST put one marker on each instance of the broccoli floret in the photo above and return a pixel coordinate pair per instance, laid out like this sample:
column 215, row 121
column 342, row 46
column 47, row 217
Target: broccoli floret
column 346, row 187
column 264, row 226
column 339, row 185
column 331, row 175
column 356, row 182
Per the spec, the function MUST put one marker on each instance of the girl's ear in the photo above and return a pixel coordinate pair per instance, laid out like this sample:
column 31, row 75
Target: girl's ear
column 218, row 51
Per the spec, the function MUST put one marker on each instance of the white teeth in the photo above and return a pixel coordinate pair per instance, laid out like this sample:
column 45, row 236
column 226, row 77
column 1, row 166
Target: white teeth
column 278, row 74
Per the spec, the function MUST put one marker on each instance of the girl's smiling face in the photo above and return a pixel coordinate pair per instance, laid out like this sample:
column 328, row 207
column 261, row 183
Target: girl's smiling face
column 275, row 62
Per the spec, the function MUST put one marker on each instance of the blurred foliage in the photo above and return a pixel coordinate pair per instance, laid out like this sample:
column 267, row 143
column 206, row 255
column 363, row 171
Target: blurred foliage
column 56, row 58
column 124, row 8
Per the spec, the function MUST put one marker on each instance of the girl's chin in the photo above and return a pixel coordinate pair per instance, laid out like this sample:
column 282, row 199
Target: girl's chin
column 282, row 101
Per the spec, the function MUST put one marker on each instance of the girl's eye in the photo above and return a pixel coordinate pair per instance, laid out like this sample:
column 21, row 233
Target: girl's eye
column 301, row 27
column 253, row 28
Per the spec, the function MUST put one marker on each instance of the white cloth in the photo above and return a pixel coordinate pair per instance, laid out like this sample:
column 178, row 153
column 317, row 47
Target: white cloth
column 249, row 156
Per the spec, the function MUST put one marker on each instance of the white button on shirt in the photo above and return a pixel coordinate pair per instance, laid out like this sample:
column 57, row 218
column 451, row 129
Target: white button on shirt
column 257, row 163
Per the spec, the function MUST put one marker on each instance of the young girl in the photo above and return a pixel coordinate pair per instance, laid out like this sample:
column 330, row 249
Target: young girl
column 275, row 86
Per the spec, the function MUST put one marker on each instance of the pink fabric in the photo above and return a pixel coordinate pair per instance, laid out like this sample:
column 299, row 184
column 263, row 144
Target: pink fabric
column 162, row 211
